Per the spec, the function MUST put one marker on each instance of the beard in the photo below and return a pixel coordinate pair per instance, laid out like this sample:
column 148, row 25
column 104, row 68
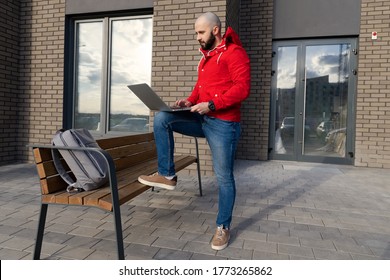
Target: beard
column 209, row 43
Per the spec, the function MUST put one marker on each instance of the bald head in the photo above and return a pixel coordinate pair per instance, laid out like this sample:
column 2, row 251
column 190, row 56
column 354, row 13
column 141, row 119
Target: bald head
column 210, row 19
column 208, row 30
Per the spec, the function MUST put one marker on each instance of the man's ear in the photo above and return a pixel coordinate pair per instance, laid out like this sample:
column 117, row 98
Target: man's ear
column 215, row 30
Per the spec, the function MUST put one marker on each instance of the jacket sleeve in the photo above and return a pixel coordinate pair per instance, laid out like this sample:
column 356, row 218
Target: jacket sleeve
column 239, row 70
column 193, row 98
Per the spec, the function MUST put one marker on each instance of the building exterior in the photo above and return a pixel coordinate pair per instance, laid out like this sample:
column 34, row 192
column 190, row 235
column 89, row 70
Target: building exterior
column 320, row 73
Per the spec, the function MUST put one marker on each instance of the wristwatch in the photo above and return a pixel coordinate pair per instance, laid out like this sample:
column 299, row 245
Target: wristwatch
column 211, row 105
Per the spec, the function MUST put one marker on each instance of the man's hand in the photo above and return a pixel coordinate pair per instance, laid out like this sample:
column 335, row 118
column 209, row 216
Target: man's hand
column 183, row 103
column 201, row 108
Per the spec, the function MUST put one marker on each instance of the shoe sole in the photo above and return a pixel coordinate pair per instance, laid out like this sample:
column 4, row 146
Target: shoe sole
column 155, row 184
column 219, row 248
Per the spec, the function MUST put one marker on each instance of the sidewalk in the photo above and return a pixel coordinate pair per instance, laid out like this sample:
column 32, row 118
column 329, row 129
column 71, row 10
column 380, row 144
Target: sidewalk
column 284, row 210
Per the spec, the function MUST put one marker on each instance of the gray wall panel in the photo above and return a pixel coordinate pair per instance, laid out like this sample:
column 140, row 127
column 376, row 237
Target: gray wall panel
column 93, row 6
column 316, row 18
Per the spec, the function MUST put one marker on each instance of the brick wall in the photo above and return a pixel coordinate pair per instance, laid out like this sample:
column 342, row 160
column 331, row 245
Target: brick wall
column 256, row 34
column 176, row 56
column 42, row 27
column 9, row 44
column 373, row 95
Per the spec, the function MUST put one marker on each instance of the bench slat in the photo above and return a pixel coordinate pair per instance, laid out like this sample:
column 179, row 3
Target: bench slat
column 41, row 155
column 47, row 168
column 129, row 150
column 107, row 143
column 52, row 184
column 51, row 198
column 125, row 194
column 126, row 162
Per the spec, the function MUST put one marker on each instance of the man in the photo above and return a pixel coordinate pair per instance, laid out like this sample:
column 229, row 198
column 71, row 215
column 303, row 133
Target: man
column 223, row 83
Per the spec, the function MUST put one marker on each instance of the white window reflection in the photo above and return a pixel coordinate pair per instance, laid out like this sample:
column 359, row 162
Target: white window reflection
column 88, row 70
column 131, row 55
column 105, row 63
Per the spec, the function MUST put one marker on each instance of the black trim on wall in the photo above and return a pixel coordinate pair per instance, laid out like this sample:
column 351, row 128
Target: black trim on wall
column 73, row 7
column 316, row 18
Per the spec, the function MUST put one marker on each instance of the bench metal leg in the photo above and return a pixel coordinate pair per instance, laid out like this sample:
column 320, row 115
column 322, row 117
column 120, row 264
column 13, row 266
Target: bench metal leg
column 118, row 231
column 40, row 231
column 198, row 167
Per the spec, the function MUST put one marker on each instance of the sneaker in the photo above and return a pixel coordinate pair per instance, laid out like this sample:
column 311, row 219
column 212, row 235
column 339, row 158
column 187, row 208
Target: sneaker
column 159, row 181
column 220, row 239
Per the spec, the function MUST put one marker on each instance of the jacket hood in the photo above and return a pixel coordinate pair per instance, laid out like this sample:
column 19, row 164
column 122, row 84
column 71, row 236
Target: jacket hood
column 231, row 37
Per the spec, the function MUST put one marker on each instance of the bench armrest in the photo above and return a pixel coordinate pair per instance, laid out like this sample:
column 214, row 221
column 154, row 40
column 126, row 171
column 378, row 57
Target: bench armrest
column 108, row 159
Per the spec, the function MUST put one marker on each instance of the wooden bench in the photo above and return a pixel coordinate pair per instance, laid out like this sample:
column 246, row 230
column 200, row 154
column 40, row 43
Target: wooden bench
column 127, row 157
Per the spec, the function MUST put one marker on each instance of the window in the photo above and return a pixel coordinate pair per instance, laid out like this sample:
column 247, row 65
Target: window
column 109, row 54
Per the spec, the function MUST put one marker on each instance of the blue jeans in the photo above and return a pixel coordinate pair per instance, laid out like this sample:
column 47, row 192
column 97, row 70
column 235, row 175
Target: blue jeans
column 222, row 137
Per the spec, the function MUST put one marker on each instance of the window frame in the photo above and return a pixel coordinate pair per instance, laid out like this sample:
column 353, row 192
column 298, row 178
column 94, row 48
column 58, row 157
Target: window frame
column 70, row 64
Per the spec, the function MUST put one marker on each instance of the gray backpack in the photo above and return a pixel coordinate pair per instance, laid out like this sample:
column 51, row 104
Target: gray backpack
column 89, row 168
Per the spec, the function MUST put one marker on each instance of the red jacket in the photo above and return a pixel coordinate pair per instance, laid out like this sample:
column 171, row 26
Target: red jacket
column 224, row 77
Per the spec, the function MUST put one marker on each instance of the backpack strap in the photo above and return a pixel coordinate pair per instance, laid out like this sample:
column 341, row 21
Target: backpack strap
column 61, row 170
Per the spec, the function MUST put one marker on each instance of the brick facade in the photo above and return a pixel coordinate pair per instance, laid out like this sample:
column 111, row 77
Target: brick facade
column 32, row 62
column 373, row 94
column 256, row 35
column 41, row 70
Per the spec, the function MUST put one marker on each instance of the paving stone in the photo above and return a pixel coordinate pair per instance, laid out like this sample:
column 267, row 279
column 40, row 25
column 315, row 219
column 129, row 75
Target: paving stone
column 197, row 256
column 367, row 257
column 54, row 237
column 168, row 243
column 261, row 255
column 199, row 247
column 352, row 248
column 60, row 228
column 283, row 239
column 81, row 241
column 26, row 233
column 17, row 243
column 85, row 231
column 47, row 249
column 295, row 251
column 140, row 252
column 4, row 237
column 102, row 255
column 106, row 234
column 199, row 237
column 169, row 254
column 323, row 254
column 9, row 230
column 382, row 253
column 146, row 240
column 108, row 246
column 260, row 246
column 236, row 253
column 251, row 235
column 74, row 253
column 305, row 234
column 279, row 205
column 9, row 254
column 89, row 223
column 171, row 233
column 139, row 230
column 315, row 243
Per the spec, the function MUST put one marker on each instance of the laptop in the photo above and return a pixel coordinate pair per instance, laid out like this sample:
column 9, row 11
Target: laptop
column 150, row 98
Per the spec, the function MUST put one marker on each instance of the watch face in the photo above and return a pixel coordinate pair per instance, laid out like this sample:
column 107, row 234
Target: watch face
column 211, row 106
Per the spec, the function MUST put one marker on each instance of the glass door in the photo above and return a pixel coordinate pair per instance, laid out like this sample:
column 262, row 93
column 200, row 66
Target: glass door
column 313, row 97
